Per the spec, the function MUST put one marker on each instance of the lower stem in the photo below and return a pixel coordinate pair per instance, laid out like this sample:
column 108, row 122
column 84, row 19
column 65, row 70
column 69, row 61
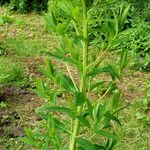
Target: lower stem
column 75, row 133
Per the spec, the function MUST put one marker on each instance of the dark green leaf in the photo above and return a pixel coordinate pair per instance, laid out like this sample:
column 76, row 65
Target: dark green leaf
column 79, row 98
column 87, row 145
column 109, row 69
column 105, row 134
column 112, row 117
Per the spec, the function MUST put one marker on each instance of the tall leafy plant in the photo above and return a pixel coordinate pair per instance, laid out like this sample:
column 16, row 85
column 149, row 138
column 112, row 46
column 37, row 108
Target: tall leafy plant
column 70, row 112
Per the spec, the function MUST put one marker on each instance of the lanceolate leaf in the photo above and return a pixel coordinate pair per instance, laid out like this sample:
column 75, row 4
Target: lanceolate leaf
column 105, row 134
column 65, row 82
column 90, row 107
column 79, row 98
column 49, row 67
column 51, row 20
column 67, row 110
column 44, row 72
column 109, row 69
column 82, row 119
column 95, row 85
column 29, row 141
column 41, row 89
column 54, row 109
column 116, row 100
column 87, row 145
column 112, row 117
column 61, row 57
column 123, row 60
column 66, row 6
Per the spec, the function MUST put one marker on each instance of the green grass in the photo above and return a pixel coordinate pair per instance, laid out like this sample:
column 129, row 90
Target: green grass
column 10, row 71
column 24, row 47
column 6, row 19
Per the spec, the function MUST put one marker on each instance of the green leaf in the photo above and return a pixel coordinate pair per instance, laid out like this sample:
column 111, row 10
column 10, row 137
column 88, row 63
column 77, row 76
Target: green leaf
column 123, row 60
column 116, row 100
column 66, row 6
column 76, row 13
column 59, row 124
column 111, row 143
column 112, row 86
column 82, row 119
column 99, row 112
column 41, row 88
column 61, row 57
column 109, row 69
column 105, row 134
column 112, row 117
column 45, row 73
column 54, row 109
column 79, row 98
column 65, row 82
column 29, row 141
column 124, row 14
column 49, row 67
column 90, row 107
column 87, row 145
column 51, row 20
column 95, row 85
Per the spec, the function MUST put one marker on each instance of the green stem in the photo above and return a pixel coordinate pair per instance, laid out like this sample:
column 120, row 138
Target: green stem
column 83, row 76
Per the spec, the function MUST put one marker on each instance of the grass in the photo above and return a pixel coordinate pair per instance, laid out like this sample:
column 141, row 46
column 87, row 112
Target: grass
column 22, row 38
column 14, row 72
column 24, row 47
column 135, row 133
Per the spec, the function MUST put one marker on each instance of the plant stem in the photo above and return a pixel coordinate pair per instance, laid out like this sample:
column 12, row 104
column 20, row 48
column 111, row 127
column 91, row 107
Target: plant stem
column 83, row 76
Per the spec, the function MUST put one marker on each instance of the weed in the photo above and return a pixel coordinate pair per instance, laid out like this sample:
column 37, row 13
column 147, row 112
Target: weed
column 5, row 19
column 20, row 22
column 14, row 72
column 85, row 118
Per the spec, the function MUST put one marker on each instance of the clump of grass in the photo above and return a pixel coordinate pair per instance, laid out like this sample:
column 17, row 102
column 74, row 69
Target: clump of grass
column 6, row 19
column 10, row 71
column 24, row 47
column 20, row 22
column 2, row 49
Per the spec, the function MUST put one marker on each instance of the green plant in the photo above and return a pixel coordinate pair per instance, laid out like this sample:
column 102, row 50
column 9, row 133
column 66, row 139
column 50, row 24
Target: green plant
column 5, row 19
column 141, row 8
column 137, row 41
column 12, row 73
column 3, row 105
column 2, row 2
column 86, row 118
column 25, row 6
